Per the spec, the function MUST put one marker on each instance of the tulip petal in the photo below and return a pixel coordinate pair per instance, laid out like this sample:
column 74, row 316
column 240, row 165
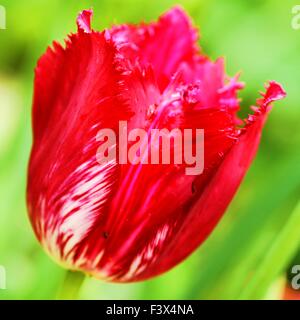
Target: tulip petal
column 164, row 45
column 211, row 204
column 84, row 21
column 75, row 90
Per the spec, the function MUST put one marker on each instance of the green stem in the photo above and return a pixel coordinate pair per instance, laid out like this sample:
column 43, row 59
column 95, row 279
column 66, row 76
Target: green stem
column 71, row 286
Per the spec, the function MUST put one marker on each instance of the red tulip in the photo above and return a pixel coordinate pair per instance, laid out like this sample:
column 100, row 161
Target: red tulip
column 129, row 222
column 290, row 293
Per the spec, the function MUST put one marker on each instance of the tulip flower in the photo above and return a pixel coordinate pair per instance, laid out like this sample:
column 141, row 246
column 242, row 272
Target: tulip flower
column 123, row 221
column 290, row 293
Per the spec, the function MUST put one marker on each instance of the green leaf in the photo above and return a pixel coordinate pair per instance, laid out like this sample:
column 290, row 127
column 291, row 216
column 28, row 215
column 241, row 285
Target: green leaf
column 276, row 258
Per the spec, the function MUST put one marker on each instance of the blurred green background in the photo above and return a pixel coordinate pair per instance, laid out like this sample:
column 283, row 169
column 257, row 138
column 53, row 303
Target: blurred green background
column 250, row 253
